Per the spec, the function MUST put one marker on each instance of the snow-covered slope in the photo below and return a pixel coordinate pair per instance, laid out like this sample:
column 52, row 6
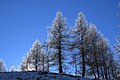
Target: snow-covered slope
column 36, row 76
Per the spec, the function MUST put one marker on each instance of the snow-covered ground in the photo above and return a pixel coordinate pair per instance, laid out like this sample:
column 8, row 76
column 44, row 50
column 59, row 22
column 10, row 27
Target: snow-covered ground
column 36, row 76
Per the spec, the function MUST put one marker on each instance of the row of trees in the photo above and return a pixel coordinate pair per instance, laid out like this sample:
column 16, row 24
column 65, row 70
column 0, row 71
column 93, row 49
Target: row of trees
column 82, row 48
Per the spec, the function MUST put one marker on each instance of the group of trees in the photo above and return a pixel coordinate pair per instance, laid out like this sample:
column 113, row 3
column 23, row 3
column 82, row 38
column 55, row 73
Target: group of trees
column 82, row 49
column 3, row 67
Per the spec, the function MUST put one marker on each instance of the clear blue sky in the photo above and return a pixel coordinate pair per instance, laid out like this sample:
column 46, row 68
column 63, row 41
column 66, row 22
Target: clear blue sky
column 23, row 21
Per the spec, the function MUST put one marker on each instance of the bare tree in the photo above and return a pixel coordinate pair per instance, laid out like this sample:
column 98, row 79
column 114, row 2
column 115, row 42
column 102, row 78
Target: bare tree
column 2, row 66
column 57, row 39
column 79, row 40
column 12, row 69
column 34, row 60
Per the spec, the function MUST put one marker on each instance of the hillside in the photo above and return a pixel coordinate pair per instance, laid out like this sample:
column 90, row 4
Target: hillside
column 36, row 76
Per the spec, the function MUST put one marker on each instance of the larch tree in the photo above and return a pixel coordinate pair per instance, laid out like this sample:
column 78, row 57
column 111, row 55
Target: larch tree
column 79, row 40
column 47, row 59
column 12, row 69
column 2, row 66
column 24, row 66
column 94, row 38
column 34, row 60
column 37, row 57
column 57, row 36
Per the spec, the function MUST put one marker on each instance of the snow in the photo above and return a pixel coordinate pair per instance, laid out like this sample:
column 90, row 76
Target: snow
column 83, row 79
column 36, row 76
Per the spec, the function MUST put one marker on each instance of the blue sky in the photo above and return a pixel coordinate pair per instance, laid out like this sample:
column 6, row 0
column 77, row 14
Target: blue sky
column 24, row 21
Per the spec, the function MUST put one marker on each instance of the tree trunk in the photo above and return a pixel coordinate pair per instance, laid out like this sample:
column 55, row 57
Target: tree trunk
column 109, row 74
column 83, row 63
column 94, row 73
column 60, row 56
column 102, row 73
column 98, row 72
column 43, row 63
column 105, row 71
column 113, row 75
column 35, row 64
column 60, row 62
column 83, row 57
column 48, row 63
column 96, row 61
column 75, row 68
